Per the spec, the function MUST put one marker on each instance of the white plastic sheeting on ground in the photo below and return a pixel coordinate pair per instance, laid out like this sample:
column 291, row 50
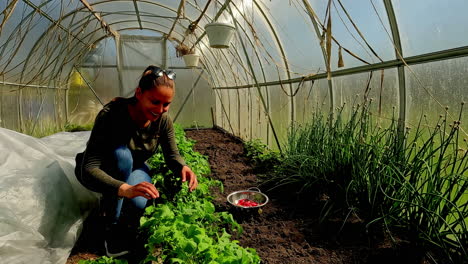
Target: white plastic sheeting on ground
column 42, row 205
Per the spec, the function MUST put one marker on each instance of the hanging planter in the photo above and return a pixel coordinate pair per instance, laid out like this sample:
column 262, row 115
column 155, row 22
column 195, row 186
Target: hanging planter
column 191, row 60
column 219, row 34
column 189, row 55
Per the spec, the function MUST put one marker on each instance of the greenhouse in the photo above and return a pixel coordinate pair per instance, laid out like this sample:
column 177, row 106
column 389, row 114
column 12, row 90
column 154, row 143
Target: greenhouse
column 307, row 131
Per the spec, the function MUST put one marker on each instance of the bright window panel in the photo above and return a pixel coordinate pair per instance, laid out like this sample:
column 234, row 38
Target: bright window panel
column 193, row 99
column 280, row 112
column 295, row 30
column 351, row 90
column 431, row 25
column 18, row 40
column 437, row 85
column 311, row 97
column 104, row 53
column 193, row 9
column 56, row 9
column 259, row 118
column 9, row 107
column 371, row 21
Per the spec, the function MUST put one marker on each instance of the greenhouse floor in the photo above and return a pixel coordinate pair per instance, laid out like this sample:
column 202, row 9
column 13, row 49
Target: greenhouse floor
column 287, row 229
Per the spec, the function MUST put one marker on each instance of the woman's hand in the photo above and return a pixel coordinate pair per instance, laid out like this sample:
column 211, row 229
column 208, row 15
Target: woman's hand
column 188, row 175
column 144, row 189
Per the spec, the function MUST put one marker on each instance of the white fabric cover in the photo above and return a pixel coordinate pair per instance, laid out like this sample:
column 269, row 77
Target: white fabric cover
column 42, row 205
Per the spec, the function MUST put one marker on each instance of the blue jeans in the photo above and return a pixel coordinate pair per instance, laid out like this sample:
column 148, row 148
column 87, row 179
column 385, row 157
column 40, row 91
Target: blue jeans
column 132, row 176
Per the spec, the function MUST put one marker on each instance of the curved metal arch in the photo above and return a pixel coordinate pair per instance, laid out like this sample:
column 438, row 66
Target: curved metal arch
column 74, row 12
column 264, row 103
column 239, row 24
column 313, row 16
column 238, row 55
column 38, row 42
column 73, row 47
column 139, row 1
column 248, row 37
column 144, row 1
column 17, row 28
column 162, row 32
column 108, row 1
column 85, row 9
column 126, row 28
column 283, row 54
column 401, row 69
column 87, row 19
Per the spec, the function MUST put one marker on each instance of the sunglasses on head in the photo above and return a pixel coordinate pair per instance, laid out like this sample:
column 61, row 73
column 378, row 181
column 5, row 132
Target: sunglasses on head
column 160, row 72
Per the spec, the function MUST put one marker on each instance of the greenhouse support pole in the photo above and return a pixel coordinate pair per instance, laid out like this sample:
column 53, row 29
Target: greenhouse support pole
column 312, row 16
column 119, row 55
column 41, row 106
column 285, row 61
column 179, row 13
column 44, row 14
column 413, row 60
column 137, row 12
column 229, row 112
column 258, row 89
column 266, row 93
column 164, row 53
column 401, row 69
column 89, row 86
column 188, row 96
column 20, row 109
column 251, row 113
column 7, row 12
column 225, row 113
column 239, row 113
column 66, row 104
column 1, row 101
column 104, row 25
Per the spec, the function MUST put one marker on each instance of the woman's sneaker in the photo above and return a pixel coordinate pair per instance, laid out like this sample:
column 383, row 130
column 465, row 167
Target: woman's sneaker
column 115, row 248
column 116, row 241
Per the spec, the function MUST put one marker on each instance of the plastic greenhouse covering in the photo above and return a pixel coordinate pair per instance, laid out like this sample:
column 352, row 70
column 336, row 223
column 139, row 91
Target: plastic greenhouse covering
column 62, row 60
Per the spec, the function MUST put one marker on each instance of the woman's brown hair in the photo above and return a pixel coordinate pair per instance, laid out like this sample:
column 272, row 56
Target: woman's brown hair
column 151, row 77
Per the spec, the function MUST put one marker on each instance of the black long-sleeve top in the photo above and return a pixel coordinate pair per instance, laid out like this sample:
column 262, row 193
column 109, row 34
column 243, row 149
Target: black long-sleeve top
column 113, row 128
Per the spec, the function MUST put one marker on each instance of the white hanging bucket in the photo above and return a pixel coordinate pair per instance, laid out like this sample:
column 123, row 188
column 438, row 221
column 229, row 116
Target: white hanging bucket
column 220, row 34
column 191, row 60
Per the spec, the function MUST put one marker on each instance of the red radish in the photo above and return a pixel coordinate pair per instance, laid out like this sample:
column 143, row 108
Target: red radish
column 246, row 203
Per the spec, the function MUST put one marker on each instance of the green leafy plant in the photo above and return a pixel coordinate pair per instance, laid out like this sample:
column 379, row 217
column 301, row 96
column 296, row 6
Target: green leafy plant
column 183, row 226
column 260, row 155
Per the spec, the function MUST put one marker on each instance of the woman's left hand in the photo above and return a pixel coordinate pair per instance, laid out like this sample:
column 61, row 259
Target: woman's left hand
column 188, row 175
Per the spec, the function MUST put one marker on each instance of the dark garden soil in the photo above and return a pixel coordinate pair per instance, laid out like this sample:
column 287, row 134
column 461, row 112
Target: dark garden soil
column 287, row 229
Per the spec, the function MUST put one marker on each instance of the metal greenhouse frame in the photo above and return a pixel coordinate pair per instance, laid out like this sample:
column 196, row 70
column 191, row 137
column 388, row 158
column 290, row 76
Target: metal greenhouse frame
column 73, row 28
